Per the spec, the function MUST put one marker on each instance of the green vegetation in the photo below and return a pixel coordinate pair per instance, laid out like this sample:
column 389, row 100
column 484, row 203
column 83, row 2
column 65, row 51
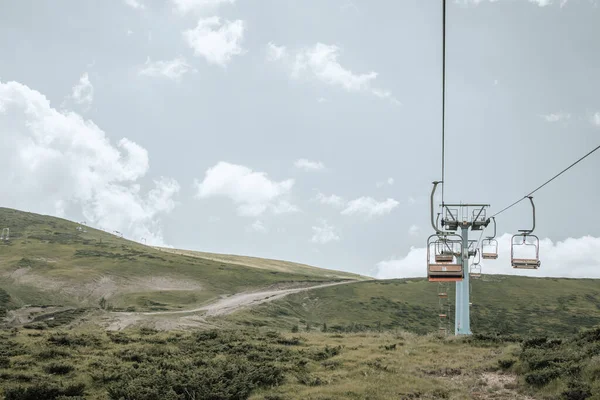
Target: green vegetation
column 252, row 363
column 146, row 364
column 347, row 341
column 562, row 368
column 503, row 304
column 49, row 261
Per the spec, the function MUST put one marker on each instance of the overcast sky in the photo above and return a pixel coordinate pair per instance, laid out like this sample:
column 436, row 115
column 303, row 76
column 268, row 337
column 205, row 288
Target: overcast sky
column 304, row 130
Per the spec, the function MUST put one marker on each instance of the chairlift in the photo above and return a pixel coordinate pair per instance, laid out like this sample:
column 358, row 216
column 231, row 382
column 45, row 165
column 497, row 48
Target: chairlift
column 451, row 271
column 444, row 251
column 475, row 269
column 489, row 246
column 519, row 242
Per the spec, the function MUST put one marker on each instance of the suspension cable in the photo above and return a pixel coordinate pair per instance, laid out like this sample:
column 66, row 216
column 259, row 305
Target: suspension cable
column 443, row 91
column 547, row 182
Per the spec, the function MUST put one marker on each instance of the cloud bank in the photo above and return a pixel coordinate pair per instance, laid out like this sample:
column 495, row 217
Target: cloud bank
column 57, row 163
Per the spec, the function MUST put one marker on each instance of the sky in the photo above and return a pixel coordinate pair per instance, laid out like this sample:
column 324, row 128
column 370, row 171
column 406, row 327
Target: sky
column 307, row 131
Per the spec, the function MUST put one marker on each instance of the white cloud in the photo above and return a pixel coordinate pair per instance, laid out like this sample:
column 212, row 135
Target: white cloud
column 258, row 226
column 83, row 92
column 309, row 165
column 198, row 6
column 173, row 69
column 320, row 62
column 556, row 117
column 215, row 41
column 252, row 192
column 129, row 32
column 388, row 181
column 274, row 52
column 321, row 100
column 411, row 201
column 596, row 119
column 573, row 258
column 332, row 200
column 135, row 4
column 324, row 233
column 414, row 230
column 284, row 207
column 64, row 165
column 370, row 207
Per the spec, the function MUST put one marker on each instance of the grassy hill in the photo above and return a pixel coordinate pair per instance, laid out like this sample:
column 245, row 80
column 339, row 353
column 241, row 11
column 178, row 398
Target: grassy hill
column 506, row 304
column 267, row 264
column 49, row 261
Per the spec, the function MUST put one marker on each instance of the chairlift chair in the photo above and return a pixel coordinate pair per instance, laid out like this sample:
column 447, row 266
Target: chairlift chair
column 475, row 271
column 529, row 262
column 489, row 249
column 489, row 245
column 444, row 271
column 444, row 251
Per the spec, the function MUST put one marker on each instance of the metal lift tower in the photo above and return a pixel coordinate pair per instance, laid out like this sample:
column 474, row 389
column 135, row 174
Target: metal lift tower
column 466, row 217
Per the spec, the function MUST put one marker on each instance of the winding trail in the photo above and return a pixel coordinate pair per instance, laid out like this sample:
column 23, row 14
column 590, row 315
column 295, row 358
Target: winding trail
column 196, row 317
column 241, row 300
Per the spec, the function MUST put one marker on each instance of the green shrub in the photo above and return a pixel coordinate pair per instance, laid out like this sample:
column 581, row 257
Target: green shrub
column 506, row 363
column 51, row 353
column 325, row 353
column 58, row 368
column 542, row 377
column 44, row 391
column 577, row 391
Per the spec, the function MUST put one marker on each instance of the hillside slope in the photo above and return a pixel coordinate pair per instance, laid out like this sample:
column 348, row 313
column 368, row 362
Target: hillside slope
column 267, row 264
column 505, row 304
column 49, row 261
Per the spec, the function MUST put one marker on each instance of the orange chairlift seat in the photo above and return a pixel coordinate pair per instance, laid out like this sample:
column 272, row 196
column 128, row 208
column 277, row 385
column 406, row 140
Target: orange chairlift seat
column 489, row 245
column 529, row 262
column 444, row 252
column 475, row 269
column 447, row 271
column 519, row 242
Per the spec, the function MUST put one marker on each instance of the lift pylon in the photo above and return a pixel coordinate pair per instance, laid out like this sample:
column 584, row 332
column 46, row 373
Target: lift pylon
column 466, row 217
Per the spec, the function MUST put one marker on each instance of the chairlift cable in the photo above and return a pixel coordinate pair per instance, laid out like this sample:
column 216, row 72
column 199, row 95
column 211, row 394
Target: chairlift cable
column 443, row 92
column 547, row 182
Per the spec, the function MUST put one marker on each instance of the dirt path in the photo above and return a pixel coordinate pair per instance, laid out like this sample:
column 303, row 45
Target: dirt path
column 241, row 300
column 196, row 317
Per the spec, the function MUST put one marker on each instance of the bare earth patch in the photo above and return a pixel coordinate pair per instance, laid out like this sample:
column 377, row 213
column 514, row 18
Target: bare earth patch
column 494, row 385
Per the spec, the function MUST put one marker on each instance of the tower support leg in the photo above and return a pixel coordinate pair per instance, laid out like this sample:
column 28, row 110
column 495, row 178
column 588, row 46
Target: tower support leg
column 462, row 321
